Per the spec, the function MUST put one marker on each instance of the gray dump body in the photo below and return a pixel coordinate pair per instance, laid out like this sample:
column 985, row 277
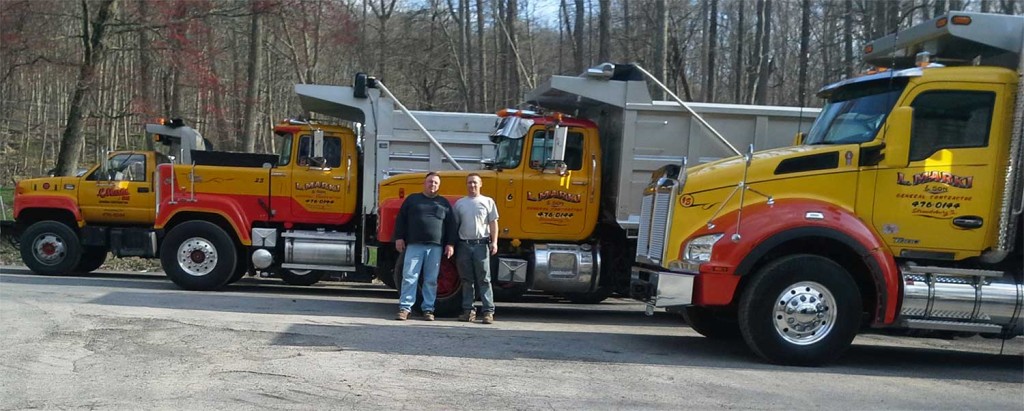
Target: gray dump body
column 639, row 135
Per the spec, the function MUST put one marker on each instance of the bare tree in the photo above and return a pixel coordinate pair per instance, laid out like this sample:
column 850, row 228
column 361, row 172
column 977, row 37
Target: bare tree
column 762, row 51
column 94, row 31
column 709, row 84
column 254, row 68
column 604, row 18
column 805, row 44
column 660, row 43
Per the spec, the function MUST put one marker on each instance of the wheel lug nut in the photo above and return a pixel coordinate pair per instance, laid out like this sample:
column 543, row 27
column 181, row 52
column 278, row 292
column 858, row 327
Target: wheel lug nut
column 790, row 320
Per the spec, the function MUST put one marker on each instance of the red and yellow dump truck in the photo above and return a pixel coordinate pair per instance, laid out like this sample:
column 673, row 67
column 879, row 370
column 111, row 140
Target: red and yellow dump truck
column 69, row 224
column 901, row 209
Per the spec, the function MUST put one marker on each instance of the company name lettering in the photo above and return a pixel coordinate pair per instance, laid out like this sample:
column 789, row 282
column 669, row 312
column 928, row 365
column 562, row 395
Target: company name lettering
column 317, row 184
column 935, row 177
column 112, row 192
column 555, row 194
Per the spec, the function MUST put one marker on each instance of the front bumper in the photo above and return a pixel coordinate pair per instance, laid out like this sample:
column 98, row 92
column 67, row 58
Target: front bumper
column 662, row 289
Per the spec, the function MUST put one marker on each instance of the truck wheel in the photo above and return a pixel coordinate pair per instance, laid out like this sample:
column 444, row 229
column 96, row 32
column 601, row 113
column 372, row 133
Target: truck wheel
column 449, row 287
column 92, row 258
column 711, row 323
column 241, row 269
column 50, row 248
column 385, row 269
column 300, row 277
column 198, row 255
column 800, row 310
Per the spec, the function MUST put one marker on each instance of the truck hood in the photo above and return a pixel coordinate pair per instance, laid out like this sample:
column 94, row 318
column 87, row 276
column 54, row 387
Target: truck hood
column 769, row 165
column 45, row 185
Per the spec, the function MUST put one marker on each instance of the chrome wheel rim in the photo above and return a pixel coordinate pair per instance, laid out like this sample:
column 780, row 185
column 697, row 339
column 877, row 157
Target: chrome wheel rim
column 197, row 256
column 49, row 249
column 805, row 313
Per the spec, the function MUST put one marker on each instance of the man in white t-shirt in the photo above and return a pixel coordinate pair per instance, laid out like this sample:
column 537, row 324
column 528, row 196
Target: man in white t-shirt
column 477, row 218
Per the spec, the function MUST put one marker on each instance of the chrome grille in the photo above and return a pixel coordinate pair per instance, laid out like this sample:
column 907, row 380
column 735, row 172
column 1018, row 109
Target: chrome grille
column 659, row 225
column 644, row 234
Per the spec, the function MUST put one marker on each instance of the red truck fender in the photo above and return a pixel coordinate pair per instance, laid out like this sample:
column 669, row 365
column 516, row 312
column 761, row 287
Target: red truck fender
column 764, row 228
column 48, row 202
column 230, row 211
column 388, row 213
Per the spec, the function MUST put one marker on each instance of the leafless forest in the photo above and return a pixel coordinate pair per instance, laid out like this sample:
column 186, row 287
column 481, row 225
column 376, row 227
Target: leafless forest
column 80, row 77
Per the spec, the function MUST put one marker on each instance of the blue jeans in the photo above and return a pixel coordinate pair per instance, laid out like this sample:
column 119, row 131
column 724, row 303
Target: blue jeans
column 425, row 258
column 474, row 262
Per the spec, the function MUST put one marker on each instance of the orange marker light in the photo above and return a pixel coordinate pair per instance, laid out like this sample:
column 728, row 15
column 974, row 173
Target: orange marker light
column 961, row 20
column 940, row 23
column 869, row 48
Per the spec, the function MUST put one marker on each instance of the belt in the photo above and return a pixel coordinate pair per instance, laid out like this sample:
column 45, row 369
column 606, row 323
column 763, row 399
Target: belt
column 477, row 241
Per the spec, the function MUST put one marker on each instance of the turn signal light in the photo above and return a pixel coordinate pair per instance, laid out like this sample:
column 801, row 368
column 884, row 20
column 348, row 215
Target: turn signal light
column 961, row 20
column 940, row 23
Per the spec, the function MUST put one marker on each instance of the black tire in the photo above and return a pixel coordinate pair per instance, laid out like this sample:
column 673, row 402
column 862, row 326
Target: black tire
column 241, row 269
column 50, row 248
column 818, row 294
column 714, row 323
column 300, row 277
column 385, row 269
column 207, row 257
column 590, row 298
column 449, row 294
column 92, row 258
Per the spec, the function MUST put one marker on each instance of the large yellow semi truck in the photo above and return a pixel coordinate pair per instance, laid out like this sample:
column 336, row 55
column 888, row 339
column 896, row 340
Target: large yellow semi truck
column 900, row 209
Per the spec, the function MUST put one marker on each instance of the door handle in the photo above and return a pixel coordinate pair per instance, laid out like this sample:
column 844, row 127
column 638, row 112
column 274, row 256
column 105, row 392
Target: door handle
column 579, row 183
column 971, row 221
column 277, row 174
column 143, row 189
column 338, row 177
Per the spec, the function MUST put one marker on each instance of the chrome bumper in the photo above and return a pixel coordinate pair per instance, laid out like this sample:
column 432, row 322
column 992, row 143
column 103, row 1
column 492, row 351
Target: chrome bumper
column 661, row 289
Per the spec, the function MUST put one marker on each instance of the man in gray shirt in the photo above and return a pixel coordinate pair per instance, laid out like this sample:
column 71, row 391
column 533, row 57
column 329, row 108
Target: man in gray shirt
column 477, row 217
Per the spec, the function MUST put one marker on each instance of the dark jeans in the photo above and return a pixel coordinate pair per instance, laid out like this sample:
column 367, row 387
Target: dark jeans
column 474, row 263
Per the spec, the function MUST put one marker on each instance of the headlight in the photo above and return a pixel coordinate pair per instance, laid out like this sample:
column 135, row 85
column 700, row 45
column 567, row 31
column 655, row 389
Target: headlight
column 699, row 249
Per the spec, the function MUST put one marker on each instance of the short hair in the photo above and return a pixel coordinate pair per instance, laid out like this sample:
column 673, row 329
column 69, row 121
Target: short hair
column 477, row 175
column 431, row 174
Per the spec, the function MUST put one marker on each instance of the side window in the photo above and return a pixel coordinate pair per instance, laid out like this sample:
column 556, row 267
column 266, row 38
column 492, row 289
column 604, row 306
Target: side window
column 332, row 150
column 950, row 119
column 542, row 145
column 122, row 167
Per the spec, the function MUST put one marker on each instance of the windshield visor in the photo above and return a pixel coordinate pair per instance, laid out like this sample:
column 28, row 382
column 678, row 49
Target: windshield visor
column 510, row 128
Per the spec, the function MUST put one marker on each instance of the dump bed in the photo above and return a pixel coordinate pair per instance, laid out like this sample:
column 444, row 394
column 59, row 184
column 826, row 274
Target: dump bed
column 639, row 135
column 392, row 143
column 958, row 38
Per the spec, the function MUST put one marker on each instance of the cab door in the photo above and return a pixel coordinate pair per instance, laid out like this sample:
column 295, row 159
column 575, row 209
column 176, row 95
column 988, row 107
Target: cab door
column 943, row 204
column 557, row 197
column 323, row 189
column 122, row 193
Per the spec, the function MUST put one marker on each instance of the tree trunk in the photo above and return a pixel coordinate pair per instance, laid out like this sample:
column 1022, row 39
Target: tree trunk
column 805, row 40
column 145, row 70
column 577, row 38
column 660, row 44
column 709, row 86
column 848, row 38
column 762, row 51
column 737, row 91
column 93, row 34
column 604, row 19
column 253, row 69
column 481, row 62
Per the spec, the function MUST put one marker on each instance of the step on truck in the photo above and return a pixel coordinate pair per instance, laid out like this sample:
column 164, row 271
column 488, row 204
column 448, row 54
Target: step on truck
column 567, row 173
column 900, row 209
column 66, row 225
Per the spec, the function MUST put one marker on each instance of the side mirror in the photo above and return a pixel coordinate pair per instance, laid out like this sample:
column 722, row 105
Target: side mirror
column 318, row 144
column 897, row 137
column 558, row 147
column 798, row 139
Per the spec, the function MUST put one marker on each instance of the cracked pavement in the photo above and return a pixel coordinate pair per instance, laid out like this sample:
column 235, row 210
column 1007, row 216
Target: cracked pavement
column 135, row 341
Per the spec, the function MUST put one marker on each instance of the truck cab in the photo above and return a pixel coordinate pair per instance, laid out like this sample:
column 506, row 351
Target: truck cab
column 69, row 224
column 899, row 210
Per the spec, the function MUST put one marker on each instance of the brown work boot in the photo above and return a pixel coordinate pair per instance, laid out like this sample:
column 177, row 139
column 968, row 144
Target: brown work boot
column 468, row 316
column 402, row 315
column 488, row 318
column 428, row 316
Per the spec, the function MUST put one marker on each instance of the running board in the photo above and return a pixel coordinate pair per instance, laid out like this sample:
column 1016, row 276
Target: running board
column 346, row 268
column 953, row 326
column 958, row 272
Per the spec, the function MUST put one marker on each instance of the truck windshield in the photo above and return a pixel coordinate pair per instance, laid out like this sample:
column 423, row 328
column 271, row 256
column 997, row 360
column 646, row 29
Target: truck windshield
column 853, row 114
column 509, row 153
column 283, row 148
